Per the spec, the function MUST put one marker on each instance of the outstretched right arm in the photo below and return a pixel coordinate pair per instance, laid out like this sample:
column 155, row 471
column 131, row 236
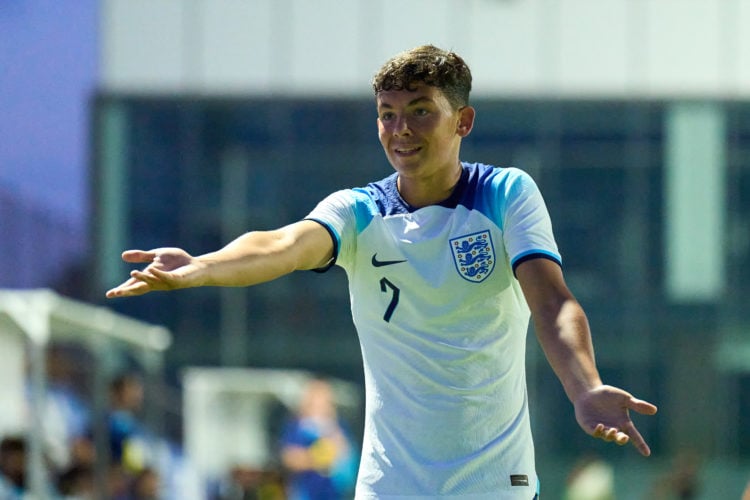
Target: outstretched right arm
column 253, row 258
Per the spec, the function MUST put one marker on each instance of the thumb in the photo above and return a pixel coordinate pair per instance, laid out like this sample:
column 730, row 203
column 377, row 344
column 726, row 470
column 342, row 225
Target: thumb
column 138, row 256
column 641, row 406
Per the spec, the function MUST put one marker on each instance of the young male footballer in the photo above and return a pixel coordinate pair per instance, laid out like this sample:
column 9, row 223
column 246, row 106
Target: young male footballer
column 446, row 262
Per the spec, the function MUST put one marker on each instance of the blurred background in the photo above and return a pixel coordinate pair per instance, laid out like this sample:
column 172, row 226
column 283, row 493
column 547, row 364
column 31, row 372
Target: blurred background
column 146, row 123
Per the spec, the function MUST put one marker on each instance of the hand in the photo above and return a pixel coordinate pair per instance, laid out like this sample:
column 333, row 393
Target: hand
column 168, row 269
column 603, row 413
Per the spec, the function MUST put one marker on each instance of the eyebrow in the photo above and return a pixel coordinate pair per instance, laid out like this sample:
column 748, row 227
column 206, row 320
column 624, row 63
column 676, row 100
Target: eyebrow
column 410, row 103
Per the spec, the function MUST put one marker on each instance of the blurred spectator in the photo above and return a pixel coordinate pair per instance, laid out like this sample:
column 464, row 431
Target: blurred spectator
column 249, row 483
column 746, row 494
column 591, row 479
column 146, row 485
column 316, row 448
column 148, row 460
column 66, row 415
column 77, row 482
column 680, row 481
column 82, row 452
column 118, row 483
column 129, row 441
column 134, row 449
column 12, row 467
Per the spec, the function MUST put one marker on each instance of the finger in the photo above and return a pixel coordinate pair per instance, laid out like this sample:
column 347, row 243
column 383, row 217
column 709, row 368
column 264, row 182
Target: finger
column 638, row 441
column 113, row 292
column 129, row 288
column 621, row 438
column 641, row 406
column 146, row 276
column 604, row 433
column 138, row 256
column 598, row 431
column 162, row 275
column 610, row 434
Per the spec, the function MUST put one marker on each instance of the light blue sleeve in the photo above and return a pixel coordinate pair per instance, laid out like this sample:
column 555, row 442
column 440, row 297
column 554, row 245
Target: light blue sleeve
column 344, row 214
column 526, row 224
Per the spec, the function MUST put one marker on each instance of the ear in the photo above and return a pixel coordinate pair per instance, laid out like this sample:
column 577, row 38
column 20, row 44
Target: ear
column 465, row 121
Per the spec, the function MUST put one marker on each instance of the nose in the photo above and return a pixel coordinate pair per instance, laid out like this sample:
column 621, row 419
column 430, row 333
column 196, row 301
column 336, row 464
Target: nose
column 401, row 126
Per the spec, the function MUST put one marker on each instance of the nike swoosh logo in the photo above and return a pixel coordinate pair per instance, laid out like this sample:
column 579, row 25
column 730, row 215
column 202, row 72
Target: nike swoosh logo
column 381, row 263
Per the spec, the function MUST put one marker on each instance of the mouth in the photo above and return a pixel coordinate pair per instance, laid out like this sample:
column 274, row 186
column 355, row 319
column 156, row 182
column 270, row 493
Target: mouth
column 407, row 150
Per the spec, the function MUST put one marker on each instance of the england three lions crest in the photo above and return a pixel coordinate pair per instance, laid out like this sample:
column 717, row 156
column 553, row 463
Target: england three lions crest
column 473, row 255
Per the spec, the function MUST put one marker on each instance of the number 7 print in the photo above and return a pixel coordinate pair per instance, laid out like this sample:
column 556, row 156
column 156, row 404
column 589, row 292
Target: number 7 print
column 394, row 300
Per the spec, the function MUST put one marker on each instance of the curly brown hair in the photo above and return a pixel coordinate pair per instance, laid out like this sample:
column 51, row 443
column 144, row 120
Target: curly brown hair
column 429, row 65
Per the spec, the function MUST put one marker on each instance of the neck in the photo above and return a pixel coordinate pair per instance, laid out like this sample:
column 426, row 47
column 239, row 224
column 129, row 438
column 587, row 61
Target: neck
column 422, row 192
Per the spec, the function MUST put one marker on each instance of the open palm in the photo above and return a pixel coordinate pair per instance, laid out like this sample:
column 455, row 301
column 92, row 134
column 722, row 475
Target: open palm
column 168, row 269
column 604, row 413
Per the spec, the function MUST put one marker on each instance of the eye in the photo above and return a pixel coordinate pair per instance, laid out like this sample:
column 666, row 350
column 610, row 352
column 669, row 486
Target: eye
column 386, row 115
column 421, row 112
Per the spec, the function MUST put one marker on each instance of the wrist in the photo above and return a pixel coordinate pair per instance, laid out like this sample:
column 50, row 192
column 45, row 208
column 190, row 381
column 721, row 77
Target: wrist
column 580, row 390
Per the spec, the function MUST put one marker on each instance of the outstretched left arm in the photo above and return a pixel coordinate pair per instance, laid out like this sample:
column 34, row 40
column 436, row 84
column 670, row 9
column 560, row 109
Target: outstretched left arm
column 563, row 332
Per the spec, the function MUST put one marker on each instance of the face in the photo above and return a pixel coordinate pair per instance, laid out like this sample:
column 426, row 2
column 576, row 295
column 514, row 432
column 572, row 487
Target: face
column 420, row 131
column 318, row 400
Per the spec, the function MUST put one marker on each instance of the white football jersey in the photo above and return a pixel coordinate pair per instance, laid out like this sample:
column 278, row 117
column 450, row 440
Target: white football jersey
column 442, row 324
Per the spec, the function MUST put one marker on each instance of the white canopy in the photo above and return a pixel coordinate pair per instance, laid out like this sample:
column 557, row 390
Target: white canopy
column 30, row 320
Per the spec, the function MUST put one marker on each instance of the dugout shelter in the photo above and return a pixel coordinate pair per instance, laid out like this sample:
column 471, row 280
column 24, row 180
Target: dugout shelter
column 31, row 321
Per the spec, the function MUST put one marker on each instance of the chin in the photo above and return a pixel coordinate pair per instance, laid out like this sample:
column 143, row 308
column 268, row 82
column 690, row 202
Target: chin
column 406, row 163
